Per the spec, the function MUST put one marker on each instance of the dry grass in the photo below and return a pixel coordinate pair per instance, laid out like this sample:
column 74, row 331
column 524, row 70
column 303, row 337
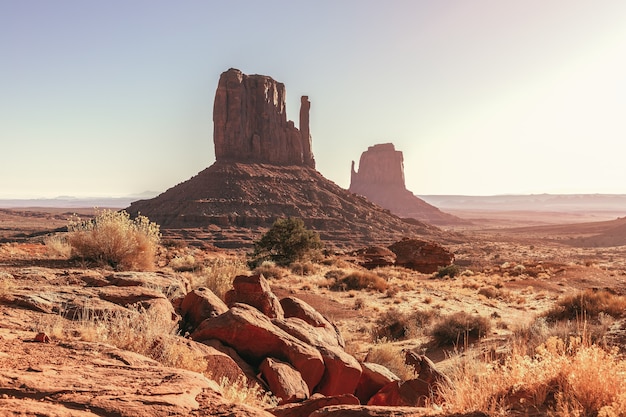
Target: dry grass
column 396, row 325
column 460, row 328
column 184, row 263
column 270, row 270
column 240, row 392
column 7, row 284
column 391, row 357
column 563, row 379
column 360, row 280
column 304, row 268
column 218, row 274
column 113, row 239
column 58, row 246
column 137, row 330
column 588, row 305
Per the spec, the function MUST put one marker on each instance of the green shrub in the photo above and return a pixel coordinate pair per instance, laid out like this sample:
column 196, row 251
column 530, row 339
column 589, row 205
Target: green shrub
column 113, row 238
column 460, row 328
column 287, row 241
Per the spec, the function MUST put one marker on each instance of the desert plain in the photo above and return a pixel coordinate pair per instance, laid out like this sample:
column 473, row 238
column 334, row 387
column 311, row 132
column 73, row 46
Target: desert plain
column 513, row 267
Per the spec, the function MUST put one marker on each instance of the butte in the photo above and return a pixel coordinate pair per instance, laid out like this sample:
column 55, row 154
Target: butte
column 380, row 179
column 265, row 170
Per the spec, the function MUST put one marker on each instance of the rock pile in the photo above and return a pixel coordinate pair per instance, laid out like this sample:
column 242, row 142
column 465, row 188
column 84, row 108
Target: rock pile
column 380, row 178
column 299, row 354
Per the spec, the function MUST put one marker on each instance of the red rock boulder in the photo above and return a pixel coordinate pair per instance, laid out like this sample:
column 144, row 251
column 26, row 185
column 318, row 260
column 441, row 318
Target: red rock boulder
column 422, row 256
column 199, row 305
column 254, row 290
column 296, row 308
column 375, row 257
column 373, row 378
column 284, row 381
column 342, row 372
column 255, row 338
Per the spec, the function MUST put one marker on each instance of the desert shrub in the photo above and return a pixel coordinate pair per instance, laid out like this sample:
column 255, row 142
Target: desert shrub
column 218, row 274
column 561, row 378
column 360, row 280
column 183, row 263
column 113, row 238
column 536, row 332
column 396, row 325
column 391, row 357
column 287, row 241
column 304, row 268
column 392, row 325
column 448, row 271
column 58, row 246
column 587, row 305
column 335, row 274
column 460, row 328
column 270, row 270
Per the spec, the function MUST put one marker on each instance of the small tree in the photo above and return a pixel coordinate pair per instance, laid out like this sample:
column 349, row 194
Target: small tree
column 287, row 241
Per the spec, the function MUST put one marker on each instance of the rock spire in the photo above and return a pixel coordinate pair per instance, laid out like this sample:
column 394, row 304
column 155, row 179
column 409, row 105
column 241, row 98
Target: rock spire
column 250, row 122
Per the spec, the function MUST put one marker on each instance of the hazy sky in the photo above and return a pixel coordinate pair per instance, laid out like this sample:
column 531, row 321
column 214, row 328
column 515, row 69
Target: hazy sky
column 109, row 98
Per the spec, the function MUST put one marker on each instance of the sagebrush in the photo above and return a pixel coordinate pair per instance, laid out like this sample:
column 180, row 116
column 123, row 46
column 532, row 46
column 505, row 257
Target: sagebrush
column 112, row 238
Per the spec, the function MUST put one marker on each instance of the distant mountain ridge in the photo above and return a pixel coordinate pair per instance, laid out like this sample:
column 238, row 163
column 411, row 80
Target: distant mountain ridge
column 532, row 202
column 75, row 202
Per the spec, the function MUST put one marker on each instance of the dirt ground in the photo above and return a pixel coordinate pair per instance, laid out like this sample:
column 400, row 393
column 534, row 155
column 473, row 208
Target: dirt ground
column 512, row 271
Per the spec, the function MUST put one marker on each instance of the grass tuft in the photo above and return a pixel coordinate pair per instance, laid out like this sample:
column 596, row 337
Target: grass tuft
column 460, row 328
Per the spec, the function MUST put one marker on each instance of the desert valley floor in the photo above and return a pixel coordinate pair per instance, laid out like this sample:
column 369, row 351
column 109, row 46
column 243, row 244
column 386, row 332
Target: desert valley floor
column 513, row 268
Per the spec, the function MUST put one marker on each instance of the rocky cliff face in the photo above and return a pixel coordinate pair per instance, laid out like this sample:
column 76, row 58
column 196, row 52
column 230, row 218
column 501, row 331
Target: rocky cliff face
column 380, row 178
column 250, row 122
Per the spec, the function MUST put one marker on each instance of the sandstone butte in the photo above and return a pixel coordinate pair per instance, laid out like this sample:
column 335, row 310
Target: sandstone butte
column 265, row 170
column 380, row 178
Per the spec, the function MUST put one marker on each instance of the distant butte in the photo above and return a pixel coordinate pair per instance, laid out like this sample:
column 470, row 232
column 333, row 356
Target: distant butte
column 265, row 170
column 380, row 179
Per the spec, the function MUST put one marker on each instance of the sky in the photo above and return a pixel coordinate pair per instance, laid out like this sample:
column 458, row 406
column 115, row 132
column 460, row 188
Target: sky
column 483, row 97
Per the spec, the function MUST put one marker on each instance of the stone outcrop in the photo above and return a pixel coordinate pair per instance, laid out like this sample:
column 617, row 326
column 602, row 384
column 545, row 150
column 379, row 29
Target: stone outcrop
column 250, row 122
column 254, row 290
column 374, row 257
column 284, row 381
column 314, row 403
column 380, row 178
column 264, row 170
column 422, row 256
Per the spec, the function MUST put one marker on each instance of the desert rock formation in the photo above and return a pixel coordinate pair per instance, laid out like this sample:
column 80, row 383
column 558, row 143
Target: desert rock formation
column 264, row 170
column 250, row 122
column 380, row 178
